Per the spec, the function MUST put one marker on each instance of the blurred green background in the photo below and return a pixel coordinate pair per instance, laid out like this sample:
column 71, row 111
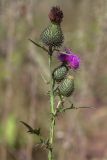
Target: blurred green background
column 80, row 134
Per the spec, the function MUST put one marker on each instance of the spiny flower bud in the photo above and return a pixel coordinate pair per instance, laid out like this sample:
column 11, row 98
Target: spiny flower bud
column 52, row 36
column 66, row 87
column 60, row 73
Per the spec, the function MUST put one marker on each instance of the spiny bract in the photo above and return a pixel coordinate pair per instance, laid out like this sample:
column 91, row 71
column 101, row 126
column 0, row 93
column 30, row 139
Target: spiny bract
column 52, row 35
column 60, row 73
column 66, row 87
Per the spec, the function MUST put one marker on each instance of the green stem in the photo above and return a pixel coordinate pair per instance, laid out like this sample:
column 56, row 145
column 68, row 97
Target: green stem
column 52, row 125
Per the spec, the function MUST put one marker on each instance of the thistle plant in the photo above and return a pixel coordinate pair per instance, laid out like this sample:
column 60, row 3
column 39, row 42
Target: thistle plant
column 61, row 79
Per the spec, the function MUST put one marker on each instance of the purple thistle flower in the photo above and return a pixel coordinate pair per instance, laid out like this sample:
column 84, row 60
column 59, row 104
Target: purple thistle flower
column 71, row 59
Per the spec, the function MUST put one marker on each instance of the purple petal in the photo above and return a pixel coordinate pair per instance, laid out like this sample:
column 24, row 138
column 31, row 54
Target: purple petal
column 75, row 62
column 69, row 58
column 62, row 57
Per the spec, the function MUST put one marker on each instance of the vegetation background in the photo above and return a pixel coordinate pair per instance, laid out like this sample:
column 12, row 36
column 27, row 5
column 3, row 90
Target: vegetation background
column 80, row 134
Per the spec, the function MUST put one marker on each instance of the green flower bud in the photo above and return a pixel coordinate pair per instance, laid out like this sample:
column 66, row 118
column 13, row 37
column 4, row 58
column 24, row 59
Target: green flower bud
column 66, row 87
column 60, row 73
column 52, row 35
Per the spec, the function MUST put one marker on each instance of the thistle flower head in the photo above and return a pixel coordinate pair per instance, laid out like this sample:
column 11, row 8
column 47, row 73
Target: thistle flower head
column 56, row 15
column 71, row 59
column 52, row 36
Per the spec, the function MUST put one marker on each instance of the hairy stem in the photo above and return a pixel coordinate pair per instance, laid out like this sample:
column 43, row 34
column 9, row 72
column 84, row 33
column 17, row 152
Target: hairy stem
column 52, row 125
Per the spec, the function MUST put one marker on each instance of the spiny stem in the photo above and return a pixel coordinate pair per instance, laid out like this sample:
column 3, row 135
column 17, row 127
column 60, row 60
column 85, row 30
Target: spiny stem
column 52, row 125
